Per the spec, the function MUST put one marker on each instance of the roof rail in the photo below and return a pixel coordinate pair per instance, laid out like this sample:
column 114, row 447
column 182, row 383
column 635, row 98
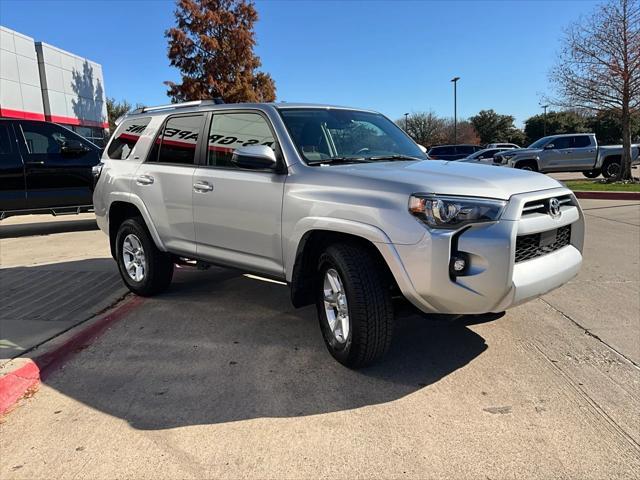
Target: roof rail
column 194, row 103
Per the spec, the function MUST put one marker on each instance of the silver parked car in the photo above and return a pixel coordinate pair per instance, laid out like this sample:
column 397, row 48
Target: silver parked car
column 484, row 156
column 341, row 204
column 577, row 152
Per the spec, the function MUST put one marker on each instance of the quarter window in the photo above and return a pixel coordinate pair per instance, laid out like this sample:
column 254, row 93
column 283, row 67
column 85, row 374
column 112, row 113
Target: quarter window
column 230, row 131
column 178, row 140
column 126, row 138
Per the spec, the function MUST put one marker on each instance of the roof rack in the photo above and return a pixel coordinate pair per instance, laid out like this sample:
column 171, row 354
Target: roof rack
column 194, row 103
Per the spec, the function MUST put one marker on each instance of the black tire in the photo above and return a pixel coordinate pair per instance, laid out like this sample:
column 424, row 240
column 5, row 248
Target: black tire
column 591, row 173
column 527, row 165
column 370, row 308
column 158, row 265
column 610, row 168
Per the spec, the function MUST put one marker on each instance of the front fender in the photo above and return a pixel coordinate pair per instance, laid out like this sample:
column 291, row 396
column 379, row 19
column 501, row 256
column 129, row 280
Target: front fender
column 307, row 224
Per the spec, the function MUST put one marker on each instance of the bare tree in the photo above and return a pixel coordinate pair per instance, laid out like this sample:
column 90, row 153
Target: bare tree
column 599, row 67
column 424, row 127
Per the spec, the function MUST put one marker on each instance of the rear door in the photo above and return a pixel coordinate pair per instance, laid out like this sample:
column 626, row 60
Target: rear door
column 12, row 187
column 238, row 212
column 54, row 176
column 583, row 156
column 165, row 180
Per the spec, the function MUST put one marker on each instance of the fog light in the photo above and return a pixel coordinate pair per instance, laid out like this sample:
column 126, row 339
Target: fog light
column 459, row 264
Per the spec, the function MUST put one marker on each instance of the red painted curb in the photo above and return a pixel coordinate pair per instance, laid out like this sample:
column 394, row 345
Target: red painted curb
column 609, row 195
column 16, row 384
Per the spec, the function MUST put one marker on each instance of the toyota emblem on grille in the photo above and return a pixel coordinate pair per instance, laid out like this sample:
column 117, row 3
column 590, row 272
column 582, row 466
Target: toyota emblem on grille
column 554, row 207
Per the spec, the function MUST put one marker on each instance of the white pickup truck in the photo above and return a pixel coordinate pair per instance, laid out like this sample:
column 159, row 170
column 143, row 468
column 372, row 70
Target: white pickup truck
column 568, row 153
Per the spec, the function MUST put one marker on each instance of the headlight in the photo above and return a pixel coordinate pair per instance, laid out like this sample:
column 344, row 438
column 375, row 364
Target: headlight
column 507, row 156
column 439, row 211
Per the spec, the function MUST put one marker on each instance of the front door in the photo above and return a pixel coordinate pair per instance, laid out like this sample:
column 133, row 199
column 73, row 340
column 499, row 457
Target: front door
column 237, row 212
column 556, row 156
column 12, row 188
column 54, row 176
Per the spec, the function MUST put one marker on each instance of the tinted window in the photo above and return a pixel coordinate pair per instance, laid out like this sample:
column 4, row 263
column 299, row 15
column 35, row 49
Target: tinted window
column 44, row 138
column 232, row 130
column 442, row 151
column 488, row 153
column 562, row 142
column 6, row 145
column 581, row 141
column 177, row 141
column 126, row 138
column 465, row 149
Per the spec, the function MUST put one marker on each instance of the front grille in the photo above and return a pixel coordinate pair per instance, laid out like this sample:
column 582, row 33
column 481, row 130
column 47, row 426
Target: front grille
column 542, row 206
column 538, row 244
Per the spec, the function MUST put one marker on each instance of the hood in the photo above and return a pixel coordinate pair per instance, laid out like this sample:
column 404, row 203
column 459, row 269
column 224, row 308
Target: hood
column 452, row 177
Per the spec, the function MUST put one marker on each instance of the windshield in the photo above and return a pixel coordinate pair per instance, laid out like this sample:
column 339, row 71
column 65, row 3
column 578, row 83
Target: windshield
column 322, row 134
column 539, row 143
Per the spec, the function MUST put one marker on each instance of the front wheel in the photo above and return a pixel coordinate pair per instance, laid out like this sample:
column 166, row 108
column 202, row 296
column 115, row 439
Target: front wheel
column 143, row 267
column 354, row 305
column 591, row 173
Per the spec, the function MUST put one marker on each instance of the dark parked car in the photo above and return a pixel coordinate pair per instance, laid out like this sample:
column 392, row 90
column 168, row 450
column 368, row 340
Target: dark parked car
column 452, row 152
column 44, row 168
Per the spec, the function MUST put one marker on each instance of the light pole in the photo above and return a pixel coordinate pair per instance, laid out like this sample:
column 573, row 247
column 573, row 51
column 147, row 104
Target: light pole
column 455, row 108
column 406, row 123
column 544, row 131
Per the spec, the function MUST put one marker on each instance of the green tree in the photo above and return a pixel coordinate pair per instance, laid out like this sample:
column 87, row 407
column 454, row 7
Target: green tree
column 212, row 46
column 556, row 123
column 598, row 67
column 115, row 110
column 493, row 127
column 608, row 129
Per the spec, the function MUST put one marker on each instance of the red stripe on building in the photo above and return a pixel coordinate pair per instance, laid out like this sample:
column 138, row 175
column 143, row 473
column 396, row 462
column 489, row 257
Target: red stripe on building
column 76, row 121
column 6, row 112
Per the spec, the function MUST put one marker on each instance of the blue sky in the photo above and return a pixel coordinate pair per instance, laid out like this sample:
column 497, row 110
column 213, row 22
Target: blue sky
column 391, row 56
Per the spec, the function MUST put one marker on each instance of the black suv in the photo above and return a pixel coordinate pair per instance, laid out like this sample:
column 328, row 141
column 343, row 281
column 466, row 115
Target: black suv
column 452, row 152
column 44, row 168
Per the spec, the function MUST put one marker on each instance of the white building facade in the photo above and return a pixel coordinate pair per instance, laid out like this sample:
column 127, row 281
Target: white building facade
column 41, row 82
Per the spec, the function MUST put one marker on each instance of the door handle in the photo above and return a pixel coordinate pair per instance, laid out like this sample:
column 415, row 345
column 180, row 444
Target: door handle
column 144, row 180
column 36, row 162
column 202, row 187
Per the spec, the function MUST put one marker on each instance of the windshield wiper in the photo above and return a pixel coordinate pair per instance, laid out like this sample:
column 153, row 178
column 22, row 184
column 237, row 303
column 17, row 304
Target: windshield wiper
column 327, row 161
column 394, row 157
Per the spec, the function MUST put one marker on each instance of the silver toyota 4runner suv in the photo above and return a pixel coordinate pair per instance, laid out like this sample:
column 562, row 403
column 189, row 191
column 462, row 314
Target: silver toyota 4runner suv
column 341, row 204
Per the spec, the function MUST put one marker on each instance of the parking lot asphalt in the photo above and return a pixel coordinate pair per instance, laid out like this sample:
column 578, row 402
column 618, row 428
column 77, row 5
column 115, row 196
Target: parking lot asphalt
column 222, row 377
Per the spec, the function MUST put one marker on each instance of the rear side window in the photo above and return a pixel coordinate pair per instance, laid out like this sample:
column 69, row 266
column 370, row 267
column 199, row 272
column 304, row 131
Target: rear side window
column 581, row 141
column 562, row 143
column 442, row 151
column 178, row 140
column 127, row 137
column 465, row 149
column 232, row 130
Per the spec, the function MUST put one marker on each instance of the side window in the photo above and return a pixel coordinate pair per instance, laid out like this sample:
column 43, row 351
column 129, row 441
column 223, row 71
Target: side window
column 6, row 145
column 562, row 142
column 177, row 141
column 232, row 130
column 465, row 150
column 126, row 138
column 581, row 141
column 42, row 138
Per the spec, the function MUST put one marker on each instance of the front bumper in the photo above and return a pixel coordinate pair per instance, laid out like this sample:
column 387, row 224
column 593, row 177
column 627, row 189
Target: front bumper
column 495, row 281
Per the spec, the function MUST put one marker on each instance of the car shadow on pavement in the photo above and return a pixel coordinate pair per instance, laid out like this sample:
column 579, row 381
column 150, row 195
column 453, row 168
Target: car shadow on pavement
column 46, row 228
column 220, row 347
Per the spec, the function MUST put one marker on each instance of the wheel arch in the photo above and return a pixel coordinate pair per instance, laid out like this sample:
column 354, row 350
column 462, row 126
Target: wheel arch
column 311, row 243
column 533, row 161
column 121, row 210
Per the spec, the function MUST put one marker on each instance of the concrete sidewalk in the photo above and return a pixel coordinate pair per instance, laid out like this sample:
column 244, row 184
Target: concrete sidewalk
column 56, row 273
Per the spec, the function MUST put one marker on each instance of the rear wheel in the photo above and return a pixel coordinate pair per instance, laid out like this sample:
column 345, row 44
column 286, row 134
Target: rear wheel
column 143, row 267
column 610, row 168
column 354, row 305
column 591, row 173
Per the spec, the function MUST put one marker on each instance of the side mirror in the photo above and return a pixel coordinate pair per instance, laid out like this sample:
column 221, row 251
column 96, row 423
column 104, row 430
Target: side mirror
column 423, row 148
column 551, row 146
column 73, row 147
column 254, row 157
